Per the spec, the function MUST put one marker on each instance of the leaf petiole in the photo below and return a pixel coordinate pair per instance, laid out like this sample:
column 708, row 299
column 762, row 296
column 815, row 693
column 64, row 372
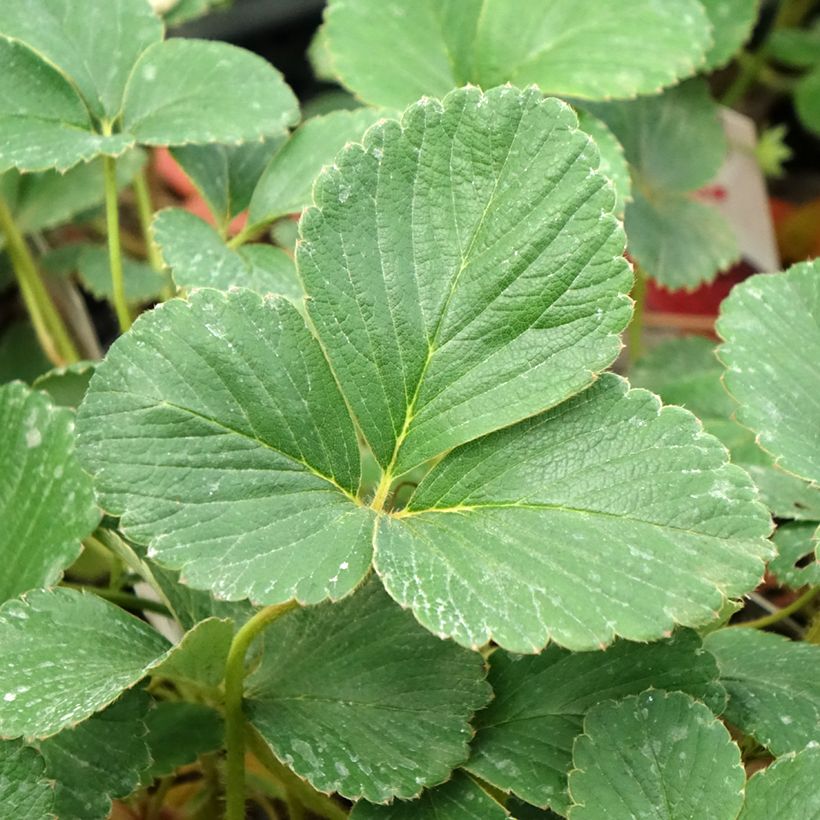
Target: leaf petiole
column 796, row 605
column 112, row 216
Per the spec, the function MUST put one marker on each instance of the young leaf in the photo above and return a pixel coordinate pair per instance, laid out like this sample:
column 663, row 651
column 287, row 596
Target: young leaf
column 796, row 562
column 451, row 318
column 46, row 500
column 787, row 788
column 25, row 790
column 358, row 699
column 732, row 23
column 659, row 756
column 228, row 400
column 199, row 258
column 771, row 327
column 178, row 733
column 459, row 799
column 67, row 655
column 101, row 758
column 142, row 282
column 524, row 737
column 184, row 91
column 285, row 187
column 773, row 685
column 390, row 53
column 528, row 535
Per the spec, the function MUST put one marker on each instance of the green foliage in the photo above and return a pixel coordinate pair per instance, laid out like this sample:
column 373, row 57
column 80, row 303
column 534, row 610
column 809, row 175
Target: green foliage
column 788, row 787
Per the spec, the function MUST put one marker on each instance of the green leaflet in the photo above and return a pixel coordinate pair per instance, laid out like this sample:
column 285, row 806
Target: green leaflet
column 450, row 318
column 390, row 53
column 458, row 799
column 66, row 386
column 228, row 399
column 285, row 187
column 185, row 10
column 796, row 47
column 540, row 508
column 100, row 758
column 198, row 257
column 46, row 500
column 70, row 60
column 142, row 282
column 806, row 100
column 657, row 756
column 796, row 542
column 524, row 737
column 25, row 790
column 787, row 788
column 732, row 23
column 200, row 656
column 773, row 685
column 357, row 698
column 67, row 655
column 765, row 357
column 613, row 162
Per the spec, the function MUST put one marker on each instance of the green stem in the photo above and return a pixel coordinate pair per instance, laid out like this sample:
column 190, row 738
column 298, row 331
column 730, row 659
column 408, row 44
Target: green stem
column 246, row 234
column 234, row 716
column 775, row 617
column 635, row 331
column 112, row 218
column 124, row 599
column 145, row 212
column 157, row 799
column 48, row 324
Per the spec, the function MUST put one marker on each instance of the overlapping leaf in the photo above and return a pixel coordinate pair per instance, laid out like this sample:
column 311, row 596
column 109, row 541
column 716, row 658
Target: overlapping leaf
column 142, row 282
column 200, row 656
column 25, row 790
column 390, row 53
column 787, row 788
column 732, row 23
column 46, row 500
column 773, row 685
column 358, row 699
column 524, row 737
column 772, row 363
column 797, row 561
column 657, row 756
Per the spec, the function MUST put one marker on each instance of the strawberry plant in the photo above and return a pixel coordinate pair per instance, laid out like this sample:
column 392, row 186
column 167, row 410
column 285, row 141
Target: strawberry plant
column 369, row 529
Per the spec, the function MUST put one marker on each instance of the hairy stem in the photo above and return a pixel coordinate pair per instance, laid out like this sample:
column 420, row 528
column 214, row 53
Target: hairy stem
column 635, row 330
column 112, row 218
column 48, row 324
column 145, row 212
column 234, row 716
column 775, row 617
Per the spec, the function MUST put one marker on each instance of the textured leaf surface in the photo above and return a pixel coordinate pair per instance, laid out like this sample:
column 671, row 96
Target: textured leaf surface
column 200, row 656
column 773, row 686
column 24, row 788
column 95, row 47
column 43, row 121
column 185, row 91
column 464, row 270
column 771, row 327
column 732, row 23
column 613, row 162
column 390, row 53
column 530, row 535
column 655, row 755
column 226, row 175
column 524, row 737
column 46, row 500
column 101, row 758
column 142, row 282
column 357, row 698
column 178, row 733
column 216, row 430
column 787, row 788
column 797, row 562
column 198, row 257
column 458, row 799
column 67, row 655
column 285, row 187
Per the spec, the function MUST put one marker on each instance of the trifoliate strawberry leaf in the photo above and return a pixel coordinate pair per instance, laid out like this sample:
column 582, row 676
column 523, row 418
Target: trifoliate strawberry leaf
column 101, row 758
column 463, row 270
column 46, row 500
column 524, row 738
column 358, row 699
column 240, row 464
column 797, row 562
column 459, row 799
column 198, row 257
column 178, row 733
column 390, row 53
column 67, row 655
column 25, row 790
column 226, row 175
column 659, row 756
column 502, row 535
column 142, row 282
column 766, row 358
column 773, row 685
column 787, row 788
column 732, row 23
column 285, row 187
